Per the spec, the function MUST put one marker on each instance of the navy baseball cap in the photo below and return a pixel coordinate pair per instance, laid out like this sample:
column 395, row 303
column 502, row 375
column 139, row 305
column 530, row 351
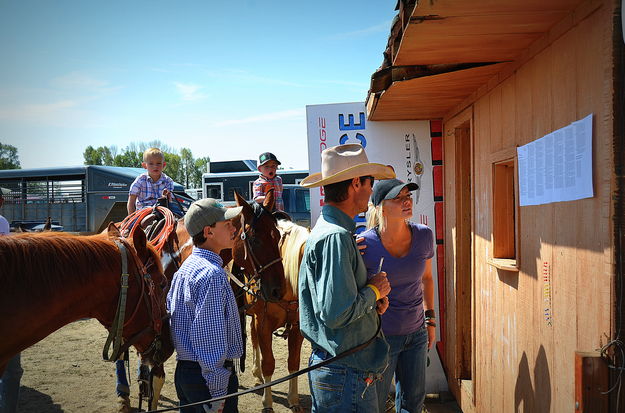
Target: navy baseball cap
column 389, row 188
column 266, row 157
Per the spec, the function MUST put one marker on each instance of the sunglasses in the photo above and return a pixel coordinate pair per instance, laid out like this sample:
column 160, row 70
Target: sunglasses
column 368, row 177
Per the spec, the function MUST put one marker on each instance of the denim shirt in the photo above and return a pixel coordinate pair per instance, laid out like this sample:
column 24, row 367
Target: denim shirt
column 337, row 309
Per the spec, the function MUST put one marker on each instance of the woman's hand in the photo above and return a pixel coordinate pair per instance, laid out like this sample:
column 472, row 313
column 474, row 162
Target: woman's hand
column 359, row 243
column 431, row 336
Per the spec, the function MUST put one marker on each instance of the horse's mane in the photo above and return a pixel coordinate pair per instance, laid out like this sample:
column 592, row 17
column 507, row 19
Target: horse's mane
column 53, row 258
column 291, row 247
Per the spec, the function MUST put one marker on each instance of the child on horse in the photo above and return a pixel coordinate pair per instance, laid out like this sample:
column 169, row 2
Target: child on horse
column 150, row 185
column 268, row 179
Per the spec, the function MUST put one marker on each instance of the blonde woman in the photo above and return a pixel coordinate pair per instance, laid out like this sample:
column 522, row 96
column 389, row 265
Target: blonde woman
column 404, row 250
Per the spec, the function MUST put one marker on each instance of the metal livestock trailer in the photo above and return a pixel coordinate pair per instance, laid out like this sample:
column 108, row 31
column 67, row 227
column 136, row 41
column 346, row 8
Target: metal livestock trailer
column 79, row 199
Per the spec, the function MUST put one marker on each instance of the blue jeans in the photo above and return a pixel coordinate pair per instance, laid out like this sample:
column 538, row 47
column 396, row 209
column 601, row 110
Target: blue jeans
column 407, row 361
column 191, row 387
column 336, row 388
column 10, row 385
column 123, row 388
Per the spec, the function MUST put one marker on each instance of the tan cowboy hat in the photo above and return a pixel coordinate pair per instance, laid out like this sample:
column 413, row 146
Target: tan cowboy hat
column 343, row 162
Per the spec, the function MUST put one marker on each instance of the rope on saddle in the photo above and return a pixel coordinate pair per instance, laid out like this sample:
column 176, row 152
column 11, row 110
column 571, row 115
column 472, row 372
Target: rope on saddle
column 159, row 238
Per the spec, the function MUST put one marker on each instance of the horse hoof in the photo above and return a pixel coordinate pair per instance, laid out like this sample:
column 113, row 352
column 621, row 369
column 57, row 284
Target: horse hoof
column 267, row 410
column 123, row 405
column 296, row 409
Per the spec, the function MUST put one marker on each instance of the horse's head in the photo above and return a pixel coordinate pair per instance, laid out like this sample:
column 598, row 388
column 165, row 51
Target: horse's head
column 256, row 247
column 145, row 325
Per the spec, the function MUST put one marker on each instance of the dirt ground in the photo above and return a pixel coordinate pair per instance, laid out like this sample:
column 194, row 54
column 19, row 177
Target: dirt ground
column 65, row 373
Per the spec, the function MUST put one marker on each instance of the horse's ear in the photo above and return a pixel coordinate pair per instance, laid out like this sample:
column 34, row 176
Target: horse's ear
column 139, row 241
column 239, row 199
column 247, row 209
column 270, row 200
column 112, row 230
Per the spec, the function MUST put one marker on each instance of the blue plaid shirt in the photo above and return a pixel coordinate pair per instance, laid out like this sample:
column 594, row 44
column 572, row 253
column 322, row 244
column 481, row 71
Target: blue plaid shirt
column 204, row 322
column 148, row 191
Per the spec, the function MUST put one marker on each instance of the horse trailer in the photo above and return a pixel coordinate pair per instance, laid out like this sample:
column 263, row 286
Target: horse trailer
column 79, row 199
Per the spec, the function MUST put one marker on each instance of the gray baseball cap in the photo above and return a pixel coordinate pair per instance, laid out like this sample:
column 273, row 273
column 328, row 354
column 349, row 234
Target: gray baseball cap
column 389, row 188
column 205, row 212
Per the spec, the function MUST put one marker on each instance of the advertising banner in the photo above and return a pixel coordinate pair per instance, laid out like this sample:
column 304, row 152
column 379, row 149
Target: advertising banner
column 404, row 145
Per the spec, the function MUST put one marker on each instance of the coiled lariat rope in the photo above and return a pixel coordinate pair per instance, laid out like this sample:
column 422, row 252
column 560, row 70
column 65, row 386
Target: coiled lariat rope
column 130, row 223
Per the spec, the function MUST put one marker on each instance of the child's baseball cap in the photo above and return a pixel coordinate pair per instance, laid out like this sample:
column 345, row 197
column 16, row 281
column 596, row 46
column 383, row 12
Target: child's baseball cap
column 266, row 157
column 206, row 212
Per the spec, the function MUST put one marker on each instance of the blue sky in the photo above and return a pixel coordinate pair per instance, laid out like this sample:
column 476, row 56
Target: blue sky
column 227, row 79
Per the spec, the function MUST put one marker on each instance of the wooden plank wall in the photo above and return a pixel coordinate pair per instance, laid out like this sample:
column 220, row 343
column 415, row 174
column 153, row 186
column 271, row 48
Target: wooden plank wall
column 524, row 360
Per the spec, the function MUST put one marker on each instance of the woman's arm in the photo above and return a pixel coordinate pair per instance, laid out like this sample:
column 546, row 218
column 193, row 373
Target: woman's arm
column 428, row 298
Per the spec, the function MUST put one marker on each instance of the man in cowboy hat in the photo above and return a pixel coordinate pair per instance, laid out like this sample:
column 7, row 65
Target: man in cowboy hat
column 338, row 305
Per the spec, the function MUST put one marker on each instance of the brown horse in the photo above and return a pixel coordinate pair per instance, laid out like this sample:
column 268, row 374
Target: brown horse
column 270, row 315
column 52, row 279
column 257, row 237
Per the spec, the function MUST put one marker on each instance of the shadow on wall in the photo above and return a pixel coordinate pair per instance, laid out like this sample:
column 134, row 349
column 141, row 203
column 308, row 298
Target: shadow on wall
column 536, row 397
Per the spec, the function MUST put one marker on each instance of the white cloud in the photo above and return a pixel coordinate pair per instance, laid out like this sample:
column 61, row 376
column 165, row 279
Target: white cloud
column 189, row 91
column 35, row 112
column 78, row 80
column 266, row 117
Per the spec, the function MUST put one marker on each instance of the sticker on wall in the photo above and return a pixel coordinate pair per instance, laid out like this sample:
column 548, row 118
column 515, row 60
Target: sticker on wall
column 547, row 293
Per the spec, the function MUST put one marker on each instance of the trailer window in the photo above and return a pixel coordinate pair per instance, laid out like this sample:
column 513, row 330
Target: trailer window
column 302, row 201
column 214, row 191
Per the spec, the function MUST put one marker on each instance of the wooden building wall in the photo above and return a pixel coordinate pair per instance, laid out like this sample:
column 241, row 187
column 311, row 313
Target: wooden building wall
column 519, row 361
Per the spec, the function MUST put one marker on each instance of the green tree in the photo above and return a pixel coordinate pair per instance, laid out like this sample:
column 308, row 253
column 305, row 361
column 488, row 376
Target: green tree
column 187, row 165
column 200, row 168
column 101, row 155
column 8, row 157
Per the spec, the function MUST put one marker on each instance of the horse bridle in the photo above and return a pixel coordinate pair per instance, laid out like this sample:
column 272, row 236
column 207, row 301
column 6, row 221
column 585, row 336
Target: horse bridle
column 257, row 267
column 150, row 299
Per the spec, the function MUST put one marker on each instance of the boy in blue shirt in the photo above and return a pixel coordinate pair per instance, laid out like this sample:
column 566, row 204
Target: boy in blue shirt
column 150, row 185
column 268, row 179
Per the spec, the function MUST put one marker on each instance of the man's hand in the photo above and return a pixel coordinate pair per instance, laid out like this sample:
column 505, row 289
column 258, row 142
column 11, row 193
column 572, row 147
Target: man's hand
column 215, row 407
column 380, row 282
column 381, row 305
column 167, row 193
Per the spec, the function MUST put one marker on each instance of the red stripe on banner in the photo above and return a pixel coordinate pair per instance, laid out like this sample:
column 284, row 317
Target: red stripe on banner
column 436, row 126
column 436, row 129
column 437, row 172
column 439, row 219
column 437, row 148
column 440, row 260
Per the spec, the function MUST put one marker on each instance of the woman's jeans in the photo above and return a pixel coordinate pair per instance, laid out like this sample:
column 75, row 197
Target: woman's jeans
column 10, row 385
column 336, row 388
column 407, row 361
column 191, row 387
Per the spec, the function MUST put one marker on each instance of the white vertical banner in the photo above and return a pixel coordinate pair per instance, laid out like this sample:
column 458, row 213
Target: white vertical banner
column 404, row 145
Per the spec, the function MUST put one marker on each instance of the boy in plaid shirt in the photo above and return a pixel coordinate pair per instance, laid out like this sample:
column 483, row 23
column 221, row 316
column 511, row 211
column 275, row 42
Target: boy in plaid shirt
column 151, row 185
column 268, row 178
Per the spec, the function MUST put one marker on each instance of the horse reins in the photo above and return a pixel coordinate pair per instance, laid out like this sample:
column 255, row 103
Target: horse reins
column 257, row 267
column 282, row 379
column 115, row 338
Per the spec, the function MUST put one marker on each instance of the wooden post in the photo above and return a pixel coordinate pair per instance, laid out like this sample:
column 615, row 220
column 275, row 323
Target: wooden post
column 591, row 379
